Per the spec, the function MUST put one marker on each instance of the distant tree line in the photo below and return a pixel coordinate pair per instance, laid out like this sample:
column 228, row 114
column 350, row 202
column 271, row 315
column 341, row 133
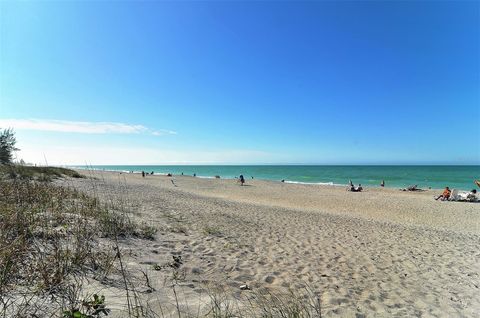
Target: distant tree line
column 7, row 145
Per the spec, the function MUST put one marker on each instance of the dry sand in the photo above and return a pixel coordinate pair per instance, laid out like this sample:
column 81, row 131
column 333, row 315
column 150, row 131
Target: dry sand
column 379, row 253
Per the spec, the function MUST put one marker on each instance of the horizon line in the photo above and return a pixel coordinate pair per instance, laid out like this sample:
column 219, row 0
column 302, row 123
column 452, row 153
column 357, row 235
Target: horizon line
column 283, row 164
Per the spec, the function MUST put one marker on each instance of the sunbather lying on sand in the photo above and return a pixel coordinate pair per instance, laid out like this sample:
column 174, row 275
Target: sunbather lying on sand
column 412, row 188
column 464, row 196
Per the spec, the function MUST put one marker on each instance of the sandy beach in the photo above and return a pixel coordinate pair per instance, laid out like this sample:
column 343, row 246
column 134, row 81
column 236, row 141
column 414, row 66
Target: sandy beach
column 378, row 253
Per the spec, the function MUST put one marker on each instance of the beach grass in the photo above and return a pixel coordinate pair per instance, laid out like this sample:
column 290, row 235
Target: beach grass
column 51, row 237
column 24, row 172
column 54, row 237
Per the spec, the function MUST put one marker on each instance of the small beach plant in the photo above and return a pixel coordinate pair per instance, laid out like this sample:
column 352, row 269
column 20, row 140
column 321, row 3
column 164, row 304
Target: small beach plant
column 92, row 308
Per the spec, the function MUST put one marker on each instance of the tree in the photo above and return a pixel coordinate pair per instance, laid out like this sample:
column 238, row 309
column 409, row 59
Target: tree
column 7, row 145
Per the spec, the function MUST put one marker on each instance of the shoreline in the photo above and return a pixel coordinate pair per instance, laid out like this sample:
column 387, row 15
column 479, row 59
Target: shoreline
column 330, row 184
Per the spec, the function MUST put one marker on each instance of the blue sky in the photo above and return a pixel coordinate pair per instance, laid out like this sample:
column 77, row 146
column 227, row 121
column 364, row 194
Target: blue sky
column 242, row 82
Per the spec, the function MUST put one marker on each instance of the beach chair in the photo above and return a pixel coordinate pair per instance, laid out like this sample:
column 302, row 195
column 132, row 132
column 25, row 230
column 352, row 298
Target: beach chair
column 454, row 195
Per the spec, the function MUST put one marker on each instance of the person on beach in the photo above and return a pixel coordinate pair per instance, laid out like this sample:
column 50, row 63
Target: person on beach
column 382, row 184
column 411, row 188
column 445, row 195
column 472, row 196
column 143, row 174
column 357, row 189
column 242, row 180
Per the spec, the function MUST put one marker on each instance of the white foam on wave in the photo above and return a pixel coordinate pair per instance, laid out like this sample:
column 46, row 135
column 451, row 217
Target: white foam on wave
column 316, row 183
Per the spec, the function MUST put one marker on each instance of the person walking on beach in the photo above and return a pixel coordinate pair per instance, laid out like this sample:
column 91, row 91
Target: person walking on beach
column 242, row 180
column 382, row 184
column 143, row 174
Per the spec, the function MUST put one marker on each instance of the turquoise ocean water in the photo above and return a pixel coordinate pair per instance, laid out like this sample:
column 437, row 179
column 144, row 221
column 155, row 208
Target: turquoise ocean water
column 436, row 177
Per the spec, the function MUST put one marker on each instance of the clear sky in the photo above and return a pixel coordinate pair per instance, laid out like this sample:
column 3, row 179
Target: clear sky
column 378, row 82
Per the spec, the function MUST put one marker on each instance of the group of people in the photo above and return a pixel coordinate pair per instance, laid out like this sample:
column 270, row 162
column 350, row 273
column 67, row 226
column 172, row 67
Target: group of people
column 461, row 196
column 146, row 173
column 445, row 196
column 352, row 187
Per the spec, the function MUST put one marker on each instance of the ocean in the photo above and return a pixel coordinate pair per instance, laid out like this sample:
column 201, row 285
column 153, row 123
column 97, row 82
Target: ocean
column 435, row 177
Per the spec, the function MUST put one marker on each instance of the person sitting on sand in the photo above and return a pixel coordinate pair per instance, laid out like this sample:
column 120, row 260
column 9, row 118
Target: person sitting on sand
column 357, row 189
column 445, row 195
column 472, row 196
column 242, row 180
